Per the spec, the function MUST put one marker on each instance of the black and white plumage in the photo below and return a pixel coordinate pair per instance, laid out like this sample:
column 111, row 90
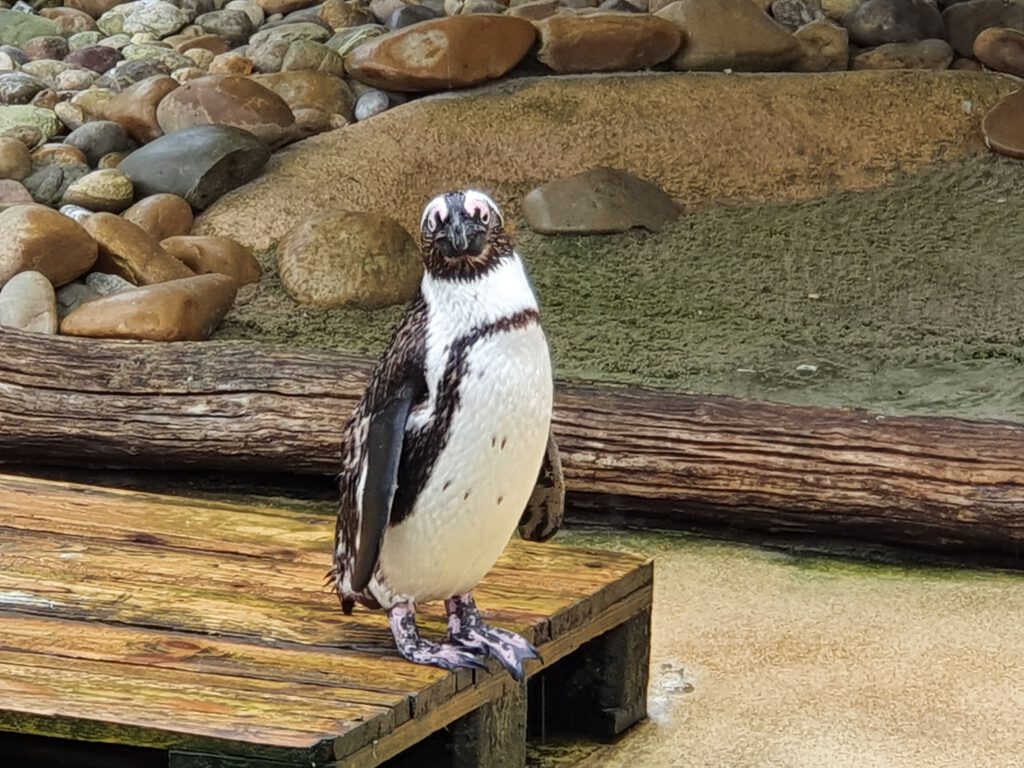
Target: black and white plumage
column 450, row 440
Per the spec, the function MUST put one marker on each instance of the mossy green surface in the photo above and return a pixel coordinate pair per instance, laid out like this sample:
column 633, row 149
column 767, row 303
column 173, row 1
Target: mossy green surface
column 904, row 299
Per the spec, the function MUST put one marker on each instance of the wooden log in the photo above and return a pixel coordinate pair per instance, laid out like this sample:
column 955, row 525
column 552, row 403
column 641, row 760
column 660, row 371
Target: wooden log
column 935, row 483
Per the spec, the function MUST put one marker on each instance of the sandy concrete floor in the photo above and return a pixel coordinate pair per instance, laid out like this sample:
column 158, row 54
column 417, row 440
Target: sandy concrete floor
column 763, row 659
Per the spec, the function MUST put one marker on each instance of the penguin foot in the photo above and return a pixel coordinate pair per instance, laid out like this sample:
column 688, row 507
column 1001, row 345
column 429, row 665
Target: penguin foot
column 467, row 629
column 411, row 646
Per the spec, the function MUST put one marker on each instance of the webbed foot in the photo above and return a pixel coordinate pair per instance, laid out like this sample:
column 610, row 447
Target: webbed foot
column 467, row 629
column 411, row 646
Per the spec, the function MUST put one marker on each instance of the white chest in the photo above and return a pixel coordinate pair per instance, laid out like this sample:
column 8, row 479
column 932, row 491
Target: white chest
column 483, row 477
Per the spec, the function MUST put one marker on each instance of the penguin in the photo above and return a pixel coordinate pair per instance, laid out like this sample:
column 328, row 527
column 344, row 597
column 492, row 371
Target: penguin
column 450, row 450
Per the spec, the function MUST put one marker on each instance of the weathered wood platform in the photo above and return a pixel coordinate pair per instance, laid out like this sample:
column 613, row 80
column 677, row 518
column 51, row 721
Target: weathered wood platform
column 203, row 630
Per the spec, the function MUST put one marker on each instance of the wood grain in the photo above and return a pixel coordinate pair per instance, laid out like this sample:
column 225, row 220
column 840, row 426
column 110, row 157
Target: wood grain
column 205, row 629
column 675, row 459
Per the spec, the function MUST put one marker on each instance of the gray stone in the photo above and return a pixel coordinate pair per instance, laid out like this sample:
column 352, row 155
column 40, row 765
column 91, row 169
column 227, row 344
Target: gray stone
column 117, row 42
column 14, row 55
column 345, row 40
column 18, row 28
column 127, row 73
column 796, row 13
column 253, row 10
column 85, row 39
column 620, row 6
column 305, row 54
column 19, row 87
column 199, row 164
column 76, row 212
column 44, row 69
column 302, row 30
column 156, row 17
column 600, row 200
column 49, row 183
column 28, row 302
column 234, row 27
column 373, row 102
column 269, row 57
column 166, row 57
column 75, row 80
column 410, row 14
column 99, row 137
column 875, row 22
column 108, row 285
column 74, row 295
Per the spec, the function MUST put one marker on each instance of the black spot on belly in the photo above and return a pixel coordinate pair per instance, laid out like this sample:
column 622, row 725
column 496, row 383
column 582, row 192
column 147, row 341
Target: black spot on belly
column 500, row 499
column 494, row 441
column 465, row 495
column 447, row 485
column 503, row 441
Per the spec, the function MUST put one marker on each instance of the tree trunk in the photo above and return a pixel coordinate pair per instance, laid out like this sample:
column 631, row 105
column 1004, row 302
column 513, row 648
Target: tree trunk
column 937, row 483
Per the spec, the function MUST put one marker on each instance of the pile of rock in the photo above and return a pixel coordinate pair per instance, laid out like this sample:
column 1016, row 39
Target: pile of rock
column 116, row 100
column 108, row 105
column 138, row 275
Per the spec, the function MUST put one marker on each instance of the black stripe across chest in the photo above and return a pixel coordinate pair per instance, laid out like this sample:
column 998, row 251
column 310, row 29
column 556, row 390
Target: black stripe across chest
column 422, row 447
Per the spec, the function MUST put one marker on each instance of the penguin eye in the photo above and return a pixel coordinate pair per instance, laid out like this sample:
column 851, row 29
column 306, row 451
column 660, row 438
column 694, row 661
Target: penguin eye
column 485, row 216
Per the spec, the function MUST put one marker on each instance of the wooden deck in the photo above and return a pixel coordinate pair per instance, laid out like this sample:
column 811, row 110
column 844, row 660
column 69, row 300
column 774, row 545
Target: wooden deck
column 203, row 630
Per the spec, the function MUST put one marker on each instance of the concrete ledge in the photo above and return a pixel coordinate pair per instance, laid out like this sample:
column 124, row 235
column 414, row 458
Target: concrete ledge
column 702, row 137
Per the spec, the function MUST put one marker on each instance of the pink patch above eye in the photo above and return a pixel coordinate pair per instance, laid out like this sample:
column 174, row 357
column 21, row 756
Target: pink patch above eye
column 477, row 208
column 436, row 212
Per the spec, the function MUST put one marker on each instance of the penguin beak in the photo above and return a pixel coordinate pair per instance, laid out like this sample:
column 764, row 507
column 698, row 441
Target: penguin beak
column 458, row 236
column 463, row 236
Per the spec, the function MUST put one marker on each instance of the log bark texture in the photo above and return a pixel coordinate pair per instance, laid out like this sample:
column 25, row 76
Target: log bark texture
column 927, row 482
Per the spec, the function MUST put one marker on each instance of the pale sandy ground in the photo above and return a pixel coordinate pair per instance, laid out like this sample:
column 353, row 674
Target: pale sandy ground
column 763, row 659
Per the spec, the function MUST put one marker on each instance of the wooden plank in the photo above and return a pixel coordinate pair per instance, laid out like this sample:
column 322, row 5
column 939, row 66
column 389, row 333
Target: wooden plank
column 78, row 510
column 377, row 681
column 224, row 625
column 149, row 706
column 937, row 483
column 49, row 575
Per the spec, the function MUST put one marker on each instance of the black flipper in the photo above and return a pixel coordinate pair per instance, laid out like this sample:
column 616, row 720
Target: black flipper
column 546, row 507
column 384, row 438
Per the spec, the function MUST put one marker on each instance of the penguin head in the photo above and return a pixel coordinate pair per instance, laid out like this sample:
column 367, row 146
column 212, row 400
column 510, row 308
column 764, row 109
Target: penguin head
column 462, row 234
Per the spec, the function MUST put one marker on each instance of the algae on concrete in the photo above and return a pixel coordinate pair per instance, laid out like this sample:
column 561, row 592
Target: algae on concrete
column 764, row 659
column 907, row 299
